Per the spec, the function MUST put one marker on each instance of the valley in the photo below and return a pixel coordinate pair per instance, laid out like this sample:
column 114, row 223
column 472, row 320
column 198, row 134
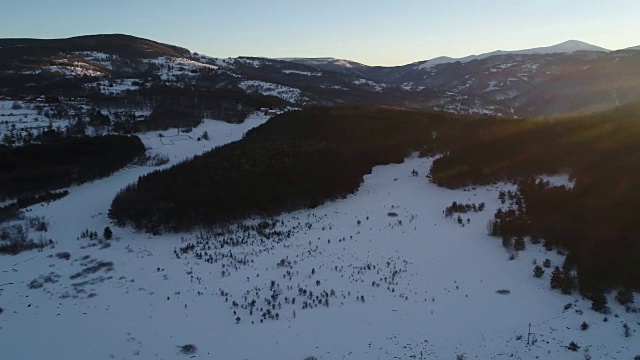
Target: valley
column 381, row 274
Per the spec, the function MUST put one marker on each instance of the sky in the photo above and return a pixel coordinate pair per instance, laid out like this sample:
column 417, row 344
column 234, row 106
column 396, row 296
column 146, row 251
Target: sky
column 373, row 32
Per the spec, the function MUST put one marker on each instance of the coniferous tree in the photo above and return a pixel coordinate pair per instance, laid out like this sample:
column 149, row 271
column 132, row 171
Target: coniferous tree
column 556, row 278
column 107, row 234
column 518, row 243
column 507, row 242
column 573, row 346
column 538, row 271
column 568, row 283
column 493, row 227
column 599, row 302
column 625, row 297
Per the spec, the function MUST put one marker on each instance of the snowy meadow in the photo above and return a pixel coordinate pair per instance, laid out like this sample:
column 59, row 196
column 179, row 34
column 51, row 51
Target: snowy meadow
column 381, row 274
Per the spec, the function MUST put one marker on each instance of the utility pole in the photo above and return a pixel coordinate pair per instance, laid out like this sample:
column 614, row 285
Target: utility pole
column 529, row 334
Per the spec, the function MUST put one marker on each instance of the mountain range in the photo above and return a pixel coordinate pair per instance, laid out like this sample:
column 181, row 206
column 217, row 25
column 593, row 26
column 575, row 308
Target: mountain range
column 571, row 77
column 566, row 47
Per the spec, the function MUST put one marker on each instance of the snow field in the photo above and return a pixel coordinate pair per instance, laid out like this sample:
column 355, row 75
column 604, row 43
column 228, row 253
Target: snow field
column 265, row 88
column 28, row 119
column 171, row 68
column 114, row 87
column 402, row 281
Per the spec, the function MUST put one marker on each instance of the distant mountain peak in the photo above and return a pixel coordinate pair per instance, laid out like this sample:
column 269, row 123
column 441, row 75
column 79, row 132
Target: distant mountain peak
column 319, row 59
column 568, row 46
column 325, row 61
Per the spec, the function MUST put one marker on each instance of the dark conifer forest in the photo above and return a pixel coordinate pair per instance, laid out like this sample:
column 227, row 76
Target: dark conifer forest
column 297, row 160
column 597, row 222
column 58, row 162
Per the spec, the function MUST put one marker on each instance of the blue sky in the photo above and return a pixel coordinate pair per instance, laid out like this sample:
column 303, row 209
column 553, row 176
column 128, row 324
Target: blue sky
column 373, row 32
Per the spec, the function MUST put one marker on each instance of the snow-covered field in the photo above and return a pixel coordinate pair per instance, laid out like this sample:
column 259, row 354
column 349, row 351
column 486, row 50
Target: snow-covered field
column 458, row 103
column 376, row 86
column 21, row 120
column 265, row 88
column 114, row 87
column 101, row 58
column 304, row 73
column 70, row 69
column 381, row 274
column 78, row 69
column 170, row 68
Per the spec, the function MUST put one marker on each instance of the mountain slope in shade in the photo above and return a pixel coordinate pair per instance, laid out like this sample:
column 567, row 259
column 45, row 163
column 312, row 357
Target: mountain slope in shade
column 564, row 47
column 633, row 48
column 114, row 44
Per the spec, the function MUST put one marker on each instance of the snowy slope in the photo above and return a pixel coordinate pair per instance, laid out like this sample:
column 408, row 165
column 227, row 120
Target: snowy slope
column 100, row 58
column 114, row 87
column 265, row 88
column 20, row 121
column 400, row 281
column 370, row 84
column 169, row 68
column 75, row 70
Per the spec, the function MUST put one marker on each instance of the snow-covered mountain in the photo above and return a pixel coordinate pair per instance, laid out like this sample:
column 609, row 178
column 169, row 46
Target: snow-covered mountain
column 511, row 83
column 569, row 46
column 333, row 64
column 117, row 65
column 325, row 61
column 566, row 47
column 582, row 78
